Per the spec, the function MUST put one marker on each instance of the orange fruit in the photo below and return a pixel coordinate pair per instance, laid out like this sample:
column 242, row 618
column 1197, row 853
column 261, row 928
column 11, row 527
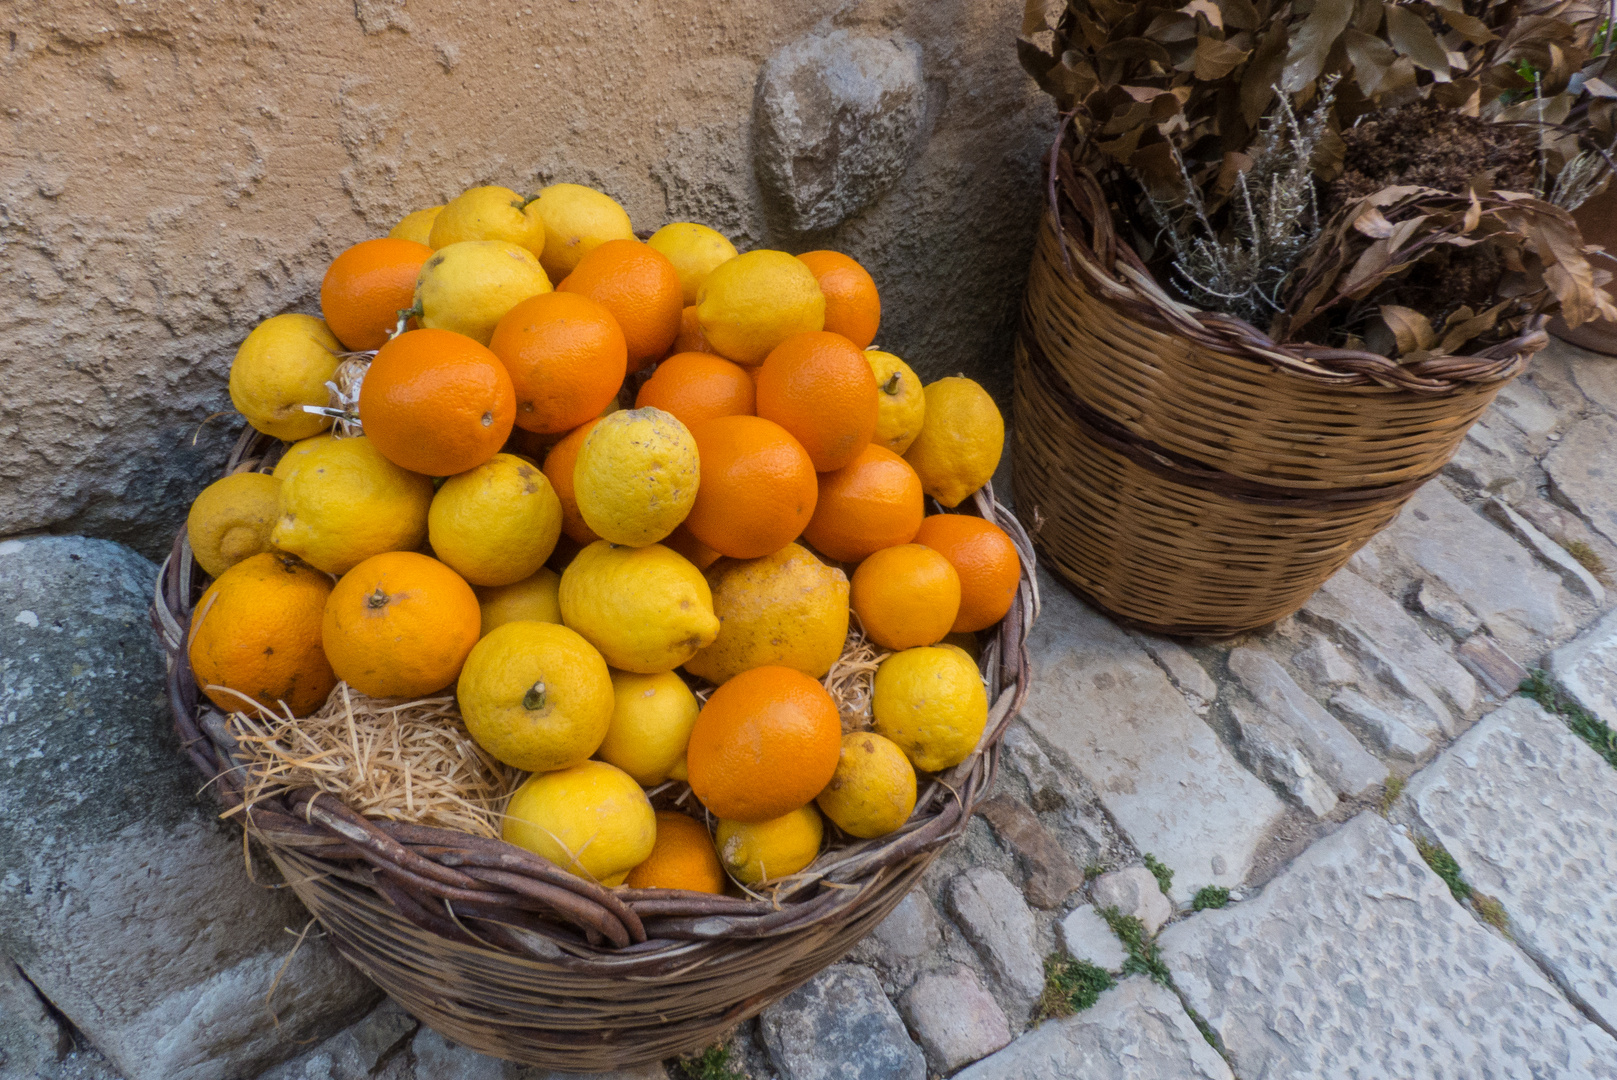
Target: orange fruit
column 566, row 356
column 766, row 743
column 256, row 630
column 558, row 469
column 696, row 387
column 367, row 286
column 905, row 596
column 436, row 402
column 986, row 560
column 690, row 337
column 682, row 857
column 641, row 289
column 400, row 625
column 819, row 387
column 873, row 502
column 757, row 487
column 685, row 543
column 852, row 306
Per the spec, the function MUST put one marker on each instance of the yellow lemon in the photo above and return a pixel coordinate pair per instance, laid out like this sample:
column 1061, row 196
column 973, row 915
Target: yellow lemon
column 931, row 702
column 468, row 287
column 577, row 221
column 651, row 722
column 489, row 213
column 694, row 250
column 767, row 850
column 346, row 502
column 231, row 520
column 282, row 366
column 416, row 225
column 591, row 819
column 495, row 524
column 532, row 598
column 753, row 302
column 647, row 609
column 873, row 790
column 635, row 477
column 961, row 438
column 535, row 695
column 788, row 608
column 294, row 455
column 901, row 403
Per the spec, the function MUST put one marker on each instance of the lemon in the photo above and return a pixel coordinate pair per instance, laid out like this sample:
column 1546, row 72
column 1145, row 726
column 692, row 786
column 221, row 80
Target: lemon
column 489, row 213
column 535, row 695
column 651, row 722
column 293, row 455
column 766, row 850
column 635, row 477
column 416, row 225
column 495, row 524
column 646, row 609
column 931, row 702
column 959, row 445
column 468, row 287
column 873, row 790
column 901, row 403
column 532, row 598
column 788, row 608
column 231, row 520
column 694, row 250
column 346, row 502
column 591, row 819
column 753, row 302
column 577, row 221
column 282, row 366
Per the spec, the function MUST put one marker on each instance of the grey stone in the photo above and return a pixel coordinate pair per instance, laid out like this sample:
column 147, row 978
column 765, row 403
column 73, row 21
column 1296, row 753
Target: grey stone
column 1434, row 600
column 1049, row 788
column 1334, row 752
column 1487, row 464
column 1525, row 406
column 910, row 930
column 1134, row 891
column 1530, row 814
column 1166, row 780
column 357, row 1051
column 1584, row 468
column 1085, row 936
column 1273, row 751
column 1136, row 1031
column 1183, row 668
column 1324, row 663
column 1595, row 375
column 1494, row 667
column 1356, row 961
column 836, row 119
column 1586, row 668
column 840, row 1026
column 653, row 1071
column 1052, row 874
column 1390, row 733
column 954, row 1018
column 122, row 897
column 1572, row 572
column 996, row 920
column 436, row 1056
column 32, row 1043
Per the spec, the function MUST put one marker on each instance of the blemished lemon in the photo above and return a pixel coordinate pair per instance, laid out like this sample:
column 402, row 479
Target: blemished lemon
column 231, row 520
column 489, row 213
column 416, row 225
column 766, row 850
column 282, row 366
column 651, row 723
column 694, row 250
column 495, row 524
column 931, row 702
column 591, row 819
column 788, row 608
column 901, row 402
column 636, row 475
column 535, row 695
column 293, row 456
column 646, row 609
column 346, row 502
column 873, row 790
column 753, row 302
column 531, row 598
column 577, row 220
column 468, row 287
column 960, row 442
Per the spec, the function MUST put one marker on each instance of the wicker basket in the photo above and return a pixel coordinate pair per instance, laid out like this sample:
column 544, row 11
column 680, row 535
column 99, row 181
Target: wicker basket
column 503, row 952
column 1181, row 470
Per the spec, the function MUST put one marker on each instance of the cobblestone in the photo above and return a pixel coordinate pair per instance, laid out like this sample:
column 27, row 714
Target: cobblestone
column 1336, row 755
column 1133, row 891
column 1085, row 936
column 1587, row 668
column 996, row 920
column 1052, row 874
column 840, row 1026
column 954, row 1018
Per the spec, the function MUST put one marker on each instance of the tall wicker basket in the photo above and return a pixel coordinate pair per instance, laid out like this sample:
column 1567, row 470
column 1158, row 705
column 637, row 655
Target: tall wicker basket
column 1187, row 474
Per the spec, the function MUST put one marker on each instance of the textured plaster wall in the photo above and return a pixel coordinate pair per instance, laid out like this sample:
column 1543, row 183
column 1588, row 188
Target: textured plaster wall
column 173, row 172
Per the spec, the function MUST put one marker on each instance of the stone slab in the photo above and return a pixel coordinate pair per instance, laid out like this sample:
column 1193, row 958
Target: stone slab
column 1273, row 751
column 1000, row 926
column 1525, row 405
column 1382, row 727
column 1494, row 668
column 1583, row 466
column 1586, row 667
column 1335, row 753
column 1530, row 814
column 1357, row 962
column 32, row 1041
column 1183, row 668
column 955, row 1019
column 840, row 1026
column 1165, row 778
column 1052, row 874
column 1085, row 936
column 1134, row 891
column 1573, row 573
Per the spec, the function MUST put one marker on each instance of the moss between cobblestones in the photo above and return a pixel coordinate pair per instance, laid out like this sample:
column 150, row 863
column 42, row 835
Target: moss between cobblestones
column 1487, row 908
column 1210, row 896
column 1584, row 724
column 1159, row 871
column 1390, row 793
column 711, row 1064
column 1144, row 956
column 1586, row 556
column 1070, row 986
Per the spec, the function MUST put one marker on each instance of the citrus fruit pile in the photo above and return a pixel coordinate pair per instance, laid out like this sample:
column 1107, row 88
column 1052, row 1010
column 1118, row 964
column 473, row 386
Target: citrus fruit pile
column 607, row 490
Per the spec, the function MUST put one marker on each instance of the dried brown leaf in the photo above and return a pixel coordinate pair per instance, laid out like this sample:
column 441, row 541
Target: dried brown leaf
column 1312, row 45
column 1413, row 38
column 1372, row 59
column 1410, row 328
column 1215, row 59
